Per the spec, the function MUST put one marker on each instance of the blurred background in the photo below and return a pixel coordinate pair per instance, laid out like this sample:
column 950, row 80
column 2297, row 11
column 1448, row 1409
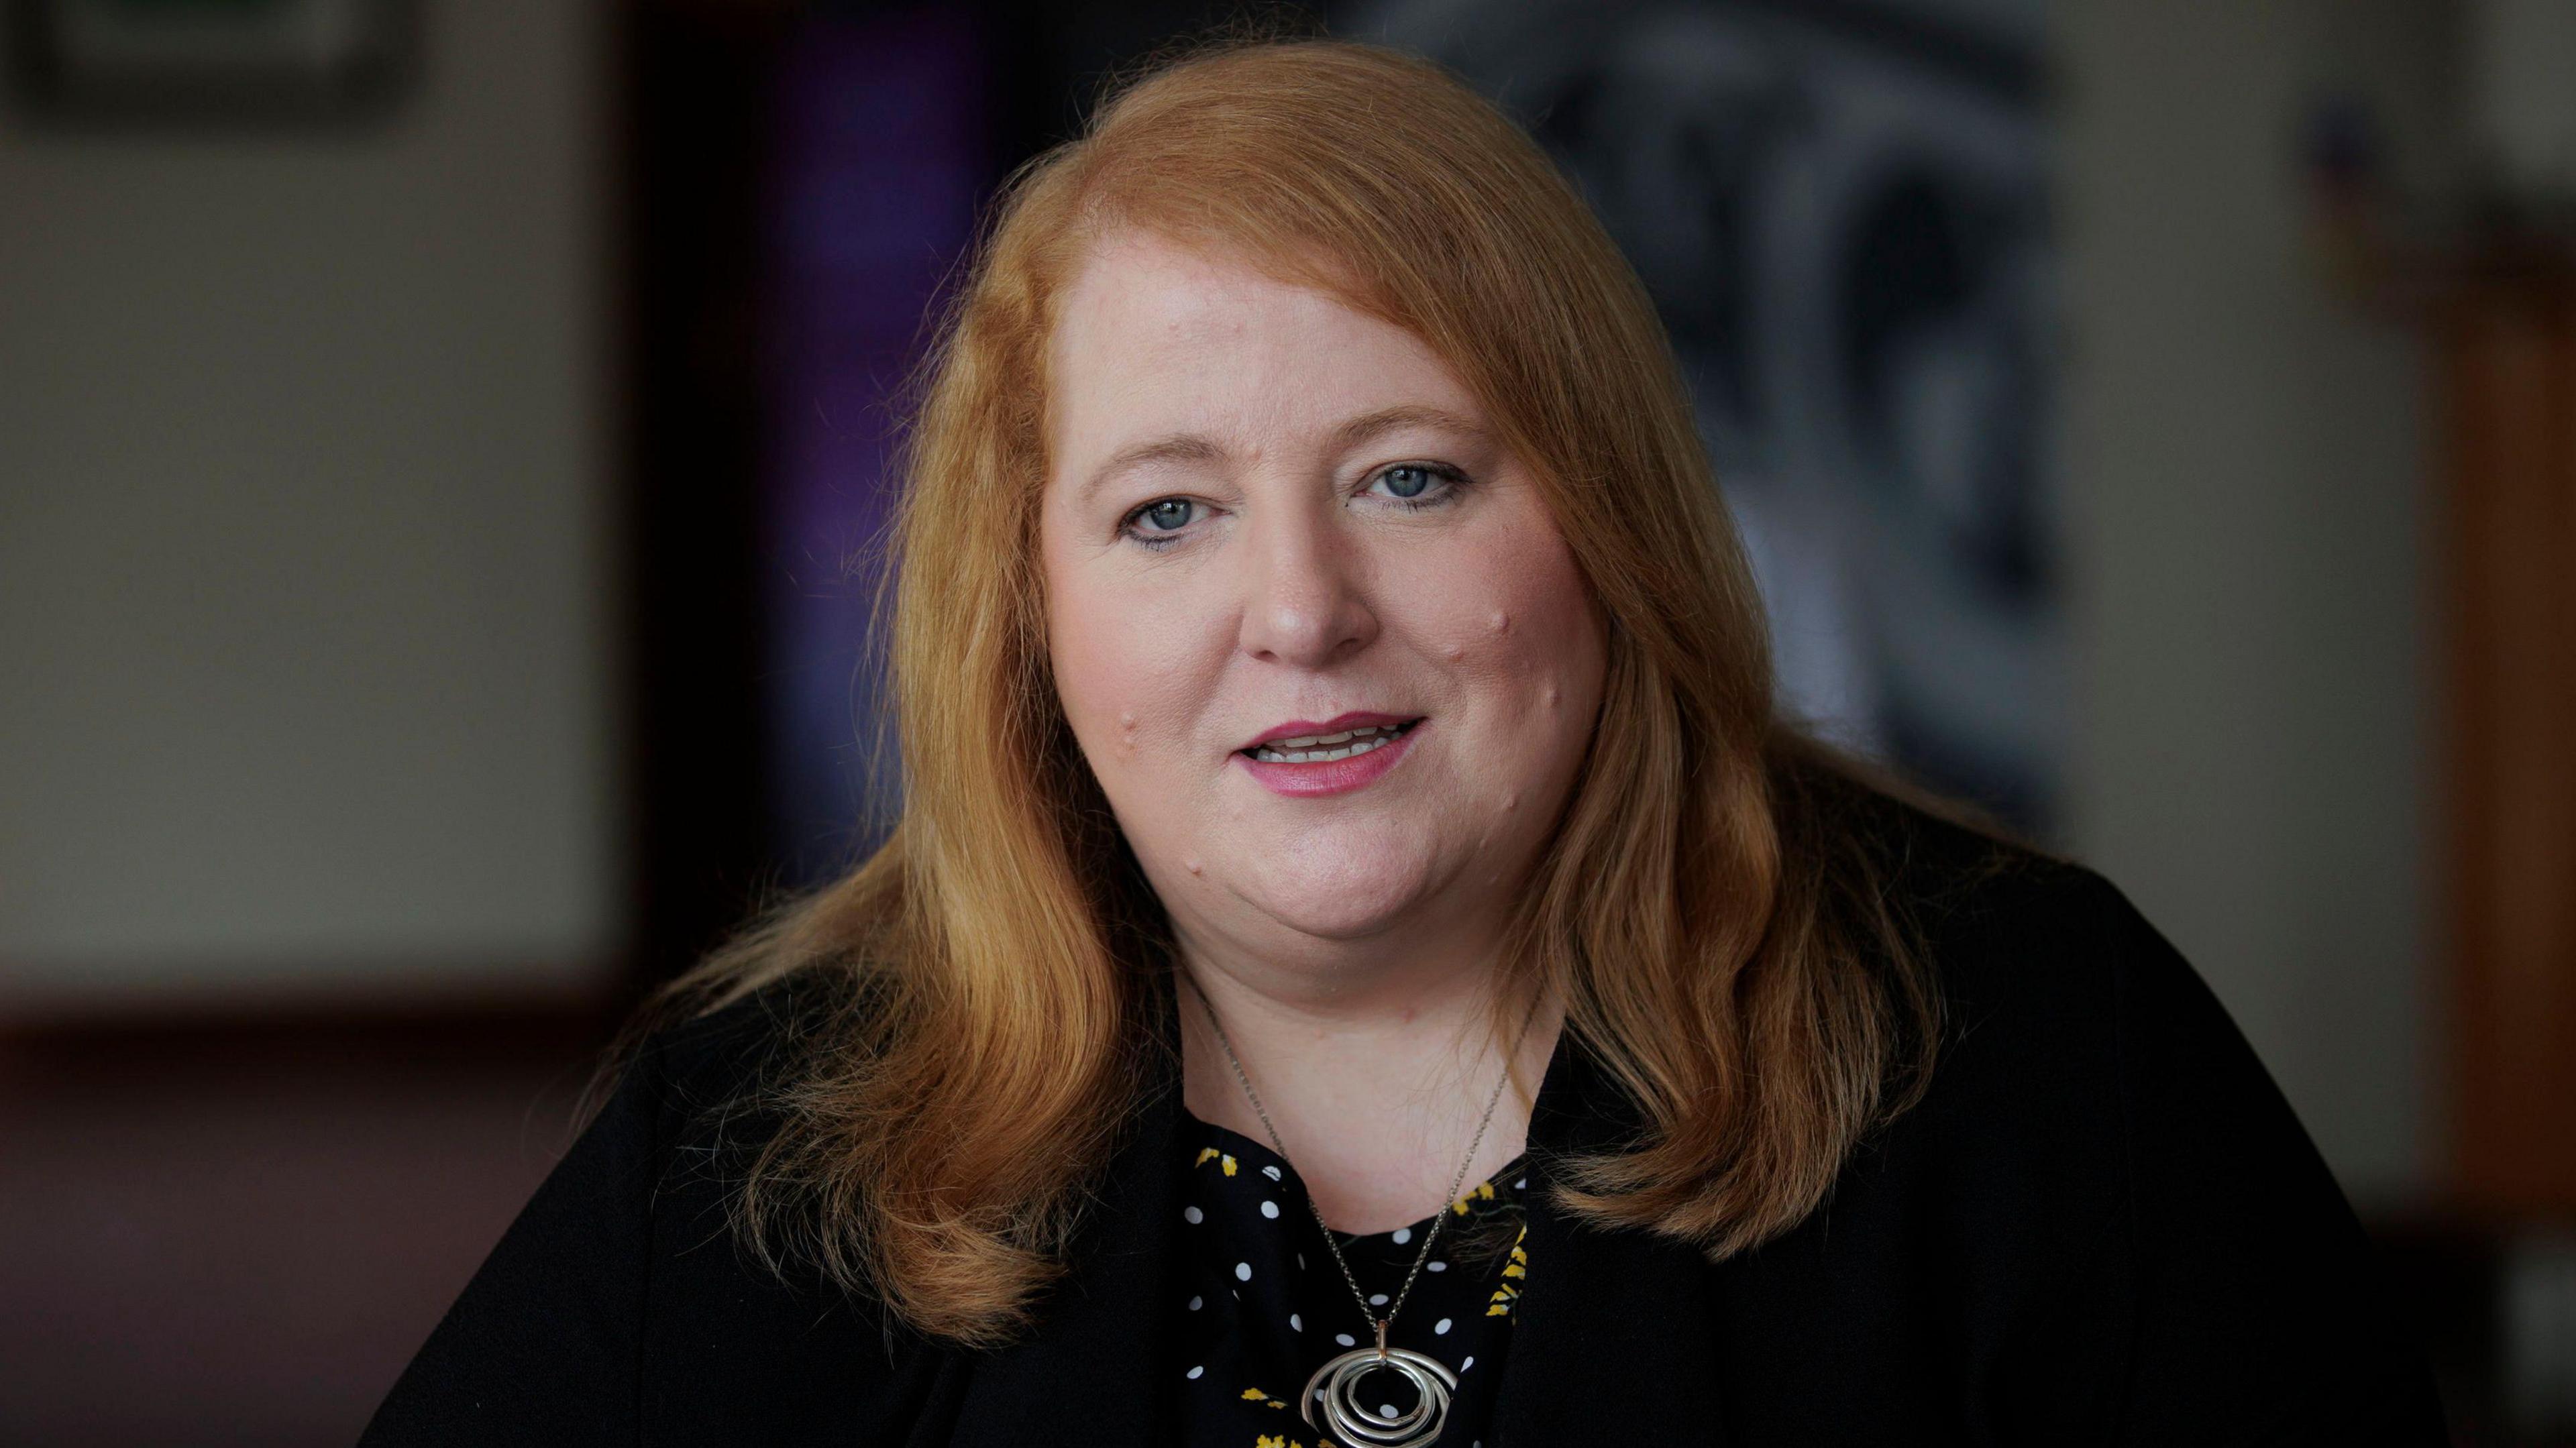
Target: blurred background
column 441, row 448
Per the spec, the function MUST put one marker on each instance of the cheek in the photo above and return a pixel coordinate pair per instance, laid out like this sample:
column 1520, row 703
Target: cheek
column 1124, row 683
column 1088, row 666
column 1521, row 623
column 1091, row 677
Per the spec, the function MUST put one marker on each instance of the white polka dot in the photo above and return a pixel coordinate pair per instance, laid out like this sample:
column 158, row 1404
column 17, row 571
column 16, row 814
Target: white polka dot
column 1242, row 1271
column 1403, row 1235
column 1441, row 1326
column 1270, row 1209
column 1193, row 1215
column 1345, row 1339
column 1386, row 1410
column 1197, row 1302
column 1435, row 1266
column 1194, row 1372
column 1294, row 1325
column 1271, row 1172
column 1469, row 1363
column 1377, row 1299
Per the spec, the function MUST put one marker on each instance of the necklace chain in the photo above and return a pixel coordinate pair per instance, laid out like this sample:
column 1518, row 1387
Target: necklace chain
column 1438, row 1219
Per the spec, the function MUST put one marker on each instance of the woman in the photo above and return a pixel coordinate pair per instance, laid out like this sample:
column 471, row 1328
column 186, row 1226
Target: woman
column 1341, row 768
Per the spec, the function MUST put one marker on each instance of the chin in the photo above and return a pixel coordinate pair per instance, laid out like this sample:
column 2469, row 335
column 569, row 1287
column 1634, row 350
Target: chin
column 1341, row 904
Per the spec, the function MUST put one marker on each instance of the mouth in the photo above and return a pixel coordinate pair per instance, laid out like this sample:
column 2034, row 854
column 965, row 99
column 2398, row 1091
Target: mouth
column 1347, row 737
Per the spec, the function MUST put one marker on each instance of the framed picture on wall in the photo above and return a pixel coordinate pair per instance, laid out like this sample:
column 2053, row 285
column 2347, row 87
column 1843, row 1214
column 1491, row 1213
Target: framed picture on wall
column 210, row 61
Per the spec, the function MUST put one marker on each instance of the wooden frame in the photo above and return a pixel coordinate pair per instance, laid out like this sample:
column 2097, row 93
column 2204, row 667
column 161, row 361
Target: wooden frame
column 2505, row 344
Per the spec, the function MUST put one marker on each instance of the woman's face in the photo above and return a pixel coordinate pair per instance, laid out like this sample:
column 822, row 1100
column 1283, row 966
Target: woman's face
column 1314, row 627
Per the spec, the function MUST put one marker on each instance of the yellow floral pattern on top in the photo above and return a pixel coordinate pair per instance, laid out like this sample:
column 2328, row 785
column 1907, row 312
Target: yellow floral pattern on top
column 1263, row 1304
column 1515, row 1272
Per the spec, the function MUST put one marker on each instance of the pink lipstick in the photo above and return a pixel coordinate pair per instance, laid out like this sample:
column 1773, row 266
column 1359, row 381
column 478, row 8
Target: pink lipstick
column 1302, row 758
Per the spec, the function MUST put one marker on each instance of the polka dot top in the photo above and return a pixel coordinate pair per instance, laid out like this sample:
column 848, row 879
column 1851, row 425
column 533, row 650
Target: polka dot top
column 1261, row 1304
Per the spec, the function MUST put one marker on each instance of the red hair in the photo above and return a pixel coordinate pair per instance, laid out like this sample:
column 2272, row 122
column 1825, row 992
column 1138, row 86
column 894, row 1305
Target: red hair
column 1710, row 909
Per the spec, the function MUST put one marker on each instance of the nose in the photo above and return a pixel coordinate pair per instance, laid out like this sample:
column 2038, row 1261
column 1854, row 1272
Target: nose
column 1304, row 596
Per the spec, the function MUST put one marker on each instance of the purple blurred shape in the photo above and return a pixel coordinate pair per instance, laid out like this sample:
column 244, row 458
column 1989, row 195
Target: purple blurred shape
column 878, row 159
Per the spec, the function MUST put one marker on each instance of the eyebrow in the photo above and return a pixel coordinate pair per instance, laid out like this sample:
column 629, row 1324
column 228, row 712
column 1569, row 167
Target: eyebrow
column 1190, row 447
column 1185, row 447
column 1368, row 425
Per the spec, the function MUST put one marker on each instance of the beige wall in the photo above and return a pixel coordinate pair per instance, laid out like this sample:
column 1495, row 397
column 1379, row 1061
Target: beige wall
column 304, row 595
column 2244, row 456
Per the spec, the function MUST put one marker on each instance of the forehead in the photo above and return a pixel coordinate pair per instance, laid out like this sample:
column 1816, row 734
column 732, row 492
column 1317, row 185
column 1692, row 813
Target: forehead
column 1152, row 335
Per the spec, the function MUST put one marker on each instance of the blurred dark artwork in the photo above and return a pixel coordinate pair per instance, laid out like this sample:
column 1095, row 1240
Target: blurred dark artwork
column 1840, row 210
column 211, row 62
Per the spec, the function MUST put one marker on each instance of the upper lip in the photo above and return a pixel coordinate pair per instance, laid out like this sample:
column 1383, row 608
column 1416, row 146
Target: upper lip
column 1300, row 728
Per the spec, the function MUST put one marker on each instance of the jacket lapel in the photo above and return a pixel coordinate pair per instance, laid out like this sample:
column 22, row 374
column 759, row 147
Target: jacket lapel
column 1085, row 1374
column 1612, row 1340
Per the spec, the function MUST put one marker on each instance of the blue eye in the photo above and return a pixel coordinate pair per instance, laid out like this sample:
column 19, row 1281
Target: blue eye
column 1417, row 485
column 1167, row 514
column 1164, row 522
column 1407, row 480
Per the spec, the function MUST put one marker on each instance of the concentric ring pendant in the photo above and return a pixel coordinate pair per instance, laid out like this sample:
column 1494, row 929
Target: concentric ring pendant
column 1334, row 1390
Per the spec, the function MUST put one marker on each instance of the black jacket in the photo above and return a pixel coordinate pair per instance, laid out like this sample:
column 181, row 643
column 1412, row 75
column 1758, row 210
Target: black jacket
column 2102, row 1225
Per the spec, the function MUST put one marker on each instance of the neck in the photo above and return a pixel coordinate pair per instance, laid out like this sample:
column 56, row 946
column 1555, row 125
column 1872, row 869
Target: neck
column 1377, row 1086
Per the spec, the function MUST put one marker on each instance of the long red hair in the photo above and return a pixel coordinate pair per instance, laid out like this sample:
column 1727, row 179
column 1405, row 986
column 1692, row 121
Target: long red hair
column 1710, row 908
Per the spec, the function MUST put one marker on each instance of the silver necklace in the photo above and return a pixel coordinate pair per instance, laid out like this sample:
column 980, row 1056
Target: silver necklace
column 1334, row 1389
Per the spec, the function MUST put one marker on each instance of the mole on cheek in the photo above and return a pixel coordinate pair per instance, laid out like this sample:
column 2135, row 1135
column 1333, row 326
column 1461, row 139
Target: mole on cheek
column 1502, row 622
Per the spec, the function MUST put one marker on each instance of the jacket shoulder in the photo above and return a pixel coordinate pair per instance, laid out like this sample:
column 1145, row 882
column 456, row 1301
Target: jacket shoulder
column 2100, row 1149
column 623, row 1306
column 1994, row 913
